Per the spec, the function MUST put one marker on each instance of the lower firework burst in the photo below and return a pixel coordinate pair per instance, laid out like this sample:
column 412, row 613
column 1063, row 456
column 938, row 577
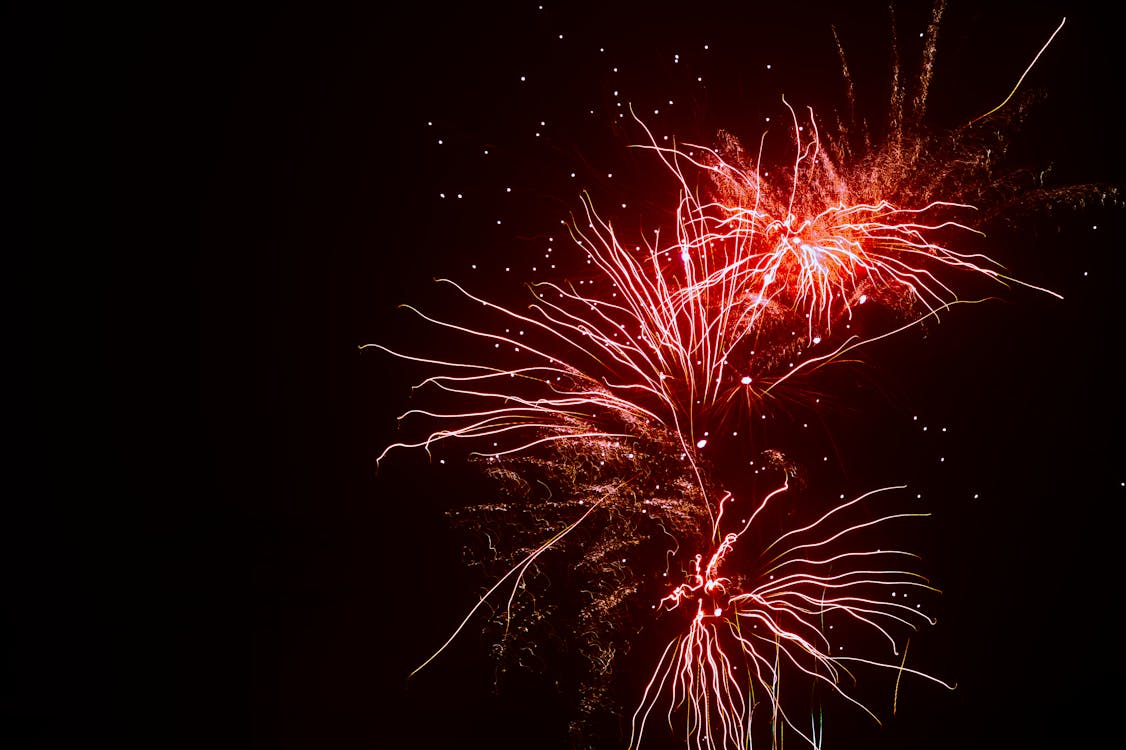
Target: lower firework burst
column 776, row 617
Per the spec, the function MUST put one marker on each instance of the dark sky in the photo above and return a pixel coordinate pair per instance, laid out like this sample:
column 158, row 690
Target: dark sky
column 222, row 204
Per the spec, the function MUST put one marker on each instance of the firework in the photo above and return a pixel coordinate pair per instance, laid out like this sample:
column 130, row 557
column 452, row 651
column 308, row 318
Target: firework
column 747, row 632
column 592, row 408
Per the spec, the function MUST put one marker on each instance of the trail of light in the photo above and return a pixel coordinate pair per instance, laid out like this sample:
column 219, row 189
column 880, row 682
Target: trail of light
column 898, row 676
column 1022, row 75
column 518, row 571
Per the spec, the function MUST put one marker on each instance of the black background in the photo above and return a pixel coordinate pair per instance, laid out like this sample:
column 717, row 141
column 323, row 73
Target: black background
column 219, row 204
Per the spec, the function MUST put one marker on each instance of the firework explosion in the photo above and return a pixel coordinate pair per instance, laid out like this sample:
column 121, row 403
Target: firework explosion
column 592, row 407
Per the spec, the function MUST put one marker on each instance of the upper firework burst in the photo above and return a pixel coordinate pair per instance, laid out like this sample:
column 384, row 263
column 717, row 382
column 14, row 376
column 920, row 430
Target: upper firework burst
column 684, row 328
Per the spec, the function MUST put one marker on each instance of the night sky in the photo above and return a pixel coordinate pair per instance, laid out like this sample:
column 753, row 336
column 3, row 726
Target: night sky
column 223, row 204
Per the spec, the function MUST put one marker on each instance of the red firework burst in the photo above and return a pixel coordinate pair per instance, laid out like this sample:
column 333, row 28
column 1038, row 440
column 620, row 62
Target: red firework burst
column 607, row 388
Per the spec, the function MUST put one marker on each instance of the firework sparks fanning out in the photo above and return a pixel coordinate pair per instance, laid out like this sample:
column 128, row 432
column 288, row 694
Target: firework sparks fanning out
column 776, row 622
column 606, row 393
